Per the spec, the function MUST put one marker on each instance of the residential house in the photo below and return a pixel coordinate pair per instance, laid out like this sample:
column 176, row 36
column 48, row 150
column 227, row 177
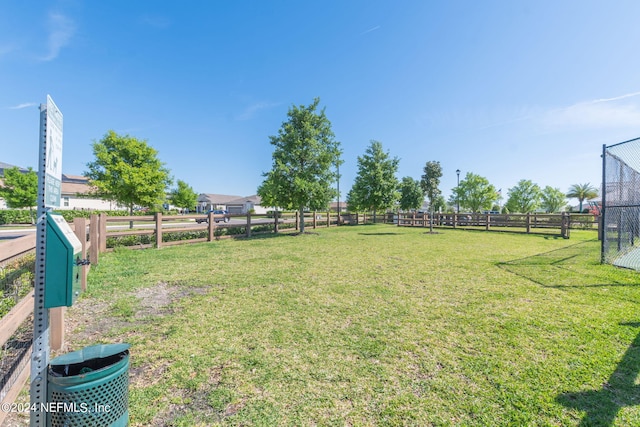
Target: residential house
column 207, row 202
column 75, row 193
column 233, row 204
column 243, row 205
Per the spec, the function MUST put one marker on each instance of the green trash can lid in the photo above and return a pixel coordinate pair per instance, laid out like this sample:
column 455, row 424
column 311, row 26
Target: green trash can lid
column 93, row 352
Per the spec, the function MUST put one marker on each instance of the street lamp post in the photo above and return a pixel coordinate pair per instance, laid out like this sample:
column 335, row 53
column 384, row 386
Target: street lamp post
column 338, row 181
column 457, row 192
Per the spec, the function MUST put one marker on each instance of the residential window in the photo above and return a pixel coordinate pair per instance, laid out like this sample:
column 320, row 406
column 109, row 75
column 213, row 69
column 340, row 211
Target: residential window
column 66, row 202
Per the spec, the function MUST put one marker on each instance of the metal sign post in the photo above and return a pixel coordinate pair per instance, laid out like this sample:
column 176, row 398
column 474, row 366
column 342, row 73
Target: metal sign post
column 49, row 190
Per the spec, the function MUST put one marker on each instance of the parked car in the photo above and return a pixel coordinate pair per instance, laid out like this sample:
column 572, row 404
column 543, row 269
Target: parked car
column 218, row 215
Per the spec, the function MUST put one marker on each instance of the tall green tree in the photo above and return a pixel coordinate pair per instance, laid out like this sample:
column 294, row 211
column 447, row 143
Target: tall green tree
column 411, row 194
column 183, row 196
column 582, row 192
column 439, row 204
column 475, row 193
column 128, row 171
column 525, row 197
column 430, row 183
column 304, row 158
column 20, row 189
column 376, row 186
column 553, row 200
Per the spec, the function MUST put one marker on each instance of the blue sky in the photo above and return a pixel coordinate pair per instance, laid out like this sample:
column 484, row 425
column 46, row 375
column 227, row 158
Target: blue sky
column 507, row 90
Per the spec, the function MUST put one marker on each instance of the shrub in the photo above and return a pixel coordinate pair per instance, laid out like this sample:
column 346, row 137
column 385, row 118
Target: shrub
column 15, row 216
column 16, row 280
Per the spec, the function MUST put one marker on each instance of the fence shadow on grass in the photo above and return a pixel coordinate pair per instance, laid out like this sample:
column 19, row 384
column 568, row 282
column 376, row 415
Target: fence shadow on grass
column 559, row 268
column 602, row 406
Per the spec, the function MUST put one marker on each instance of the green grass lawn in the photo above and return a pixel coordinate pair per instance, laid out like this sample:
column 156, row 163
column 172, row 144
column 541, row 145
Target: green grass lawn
column 372, row 325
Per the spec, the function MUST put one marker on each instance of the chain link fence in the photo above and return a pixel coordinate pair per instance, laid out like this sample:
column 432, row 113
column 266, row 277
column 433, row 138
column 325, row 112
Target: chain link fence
column 621, row 204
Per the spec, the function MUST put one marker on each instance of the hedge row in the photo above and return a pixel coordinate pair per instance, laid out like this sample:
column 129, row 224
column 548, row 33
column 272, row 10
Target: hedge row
column 168, row 236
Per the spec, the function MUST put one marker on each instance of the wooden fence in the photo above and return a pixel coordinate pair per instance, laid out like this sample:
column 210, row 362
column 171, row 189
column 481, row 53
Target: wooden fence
column 160, row 230
column 16, row 375
column 559, row 224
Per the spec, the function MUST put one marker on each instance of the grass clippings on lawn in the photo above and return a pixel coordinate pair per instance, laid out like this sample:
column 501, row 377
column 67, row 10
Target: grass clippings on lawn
column 375, row 325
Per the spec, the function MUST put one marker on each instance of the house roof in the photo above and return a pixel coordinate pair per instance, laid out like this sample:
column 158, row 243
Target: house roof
column 73, row 188
column 255, row 199
column 221, row 199
column 77, row 178
column 4, row 166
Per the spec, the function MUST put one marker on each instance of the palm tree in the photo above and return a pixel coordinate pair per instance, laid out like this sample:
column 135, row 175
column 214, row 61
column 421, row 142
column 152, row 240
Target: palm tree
column 582, row 192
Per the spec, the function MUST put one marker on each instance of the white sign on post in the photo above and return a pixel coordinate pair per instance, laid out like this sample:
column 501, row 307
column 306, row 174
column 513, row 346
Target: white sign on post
column 49, row 191
column 53, row 166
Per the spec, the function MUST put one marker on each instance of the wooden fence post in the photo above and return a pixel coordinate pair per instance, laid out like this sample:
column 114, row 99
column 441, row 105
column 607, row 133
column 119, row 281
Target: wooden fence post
column 56, row 323
column 297, row 220
column 212, row 226
column 275, row 224
column 328, row 219
column 102, row 244
column 314, row 219
column 158, row 230
column 248, row 228
column 80, row 230
column 94, row 237
column 528, row 222
column 455, row 220
column 565, row 225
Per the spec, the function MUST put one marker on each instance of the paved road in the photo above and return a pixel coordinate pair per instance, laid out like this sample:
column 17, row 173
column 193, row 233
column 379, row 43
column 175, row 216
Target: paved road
column 14, row 233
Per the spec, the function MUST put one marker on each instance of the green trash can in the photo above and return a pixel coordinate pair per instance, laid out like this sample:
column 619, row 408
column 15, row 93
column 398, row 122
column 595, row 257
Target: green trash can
column 89, row 387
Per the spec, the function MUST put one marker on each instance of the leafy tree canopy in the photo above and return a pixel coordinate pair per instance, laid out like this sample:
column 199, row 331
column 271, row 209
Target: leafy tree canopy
column 525, row 197
column 128, row 171
column 553, row 200
column 582, row 192
column 19, row 190
column 183, row 196
column 475, row 193
column 304, row 156
column 431, row 181
column 376, row 186
column 411, row 194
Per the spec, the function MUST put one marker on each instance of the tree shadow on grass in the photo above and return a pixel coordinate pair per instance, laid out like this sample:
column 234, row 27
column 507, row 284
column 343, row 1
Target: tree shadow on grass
column 602, row 406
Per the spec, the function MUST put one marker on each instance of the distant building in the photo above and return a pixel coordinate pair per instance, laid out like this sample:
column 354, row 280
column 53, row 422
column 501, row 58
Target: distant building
column 207, row 201
column 245, row 204
column 75, row 193
column 233, row 204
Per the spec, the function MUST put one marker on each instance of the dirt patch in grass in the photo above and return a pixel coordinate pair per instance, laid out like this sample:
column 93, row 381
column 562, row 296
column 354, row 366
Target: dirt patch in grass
column 211, row 402
column 91, row 319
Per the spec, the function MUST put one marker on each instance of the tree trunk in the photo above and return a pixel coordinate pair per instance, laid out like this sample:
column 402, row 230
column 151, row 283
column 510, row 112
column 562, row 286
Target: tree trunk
column 431, row 221
column 301, row 219
column 131, row 214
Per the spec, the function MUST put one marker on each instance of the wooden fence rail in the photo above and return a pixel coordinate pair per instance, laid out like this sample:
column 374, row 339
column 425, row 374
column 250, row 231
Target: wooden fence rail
column 94, row 232
column 11, row 251
column 528, row 223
